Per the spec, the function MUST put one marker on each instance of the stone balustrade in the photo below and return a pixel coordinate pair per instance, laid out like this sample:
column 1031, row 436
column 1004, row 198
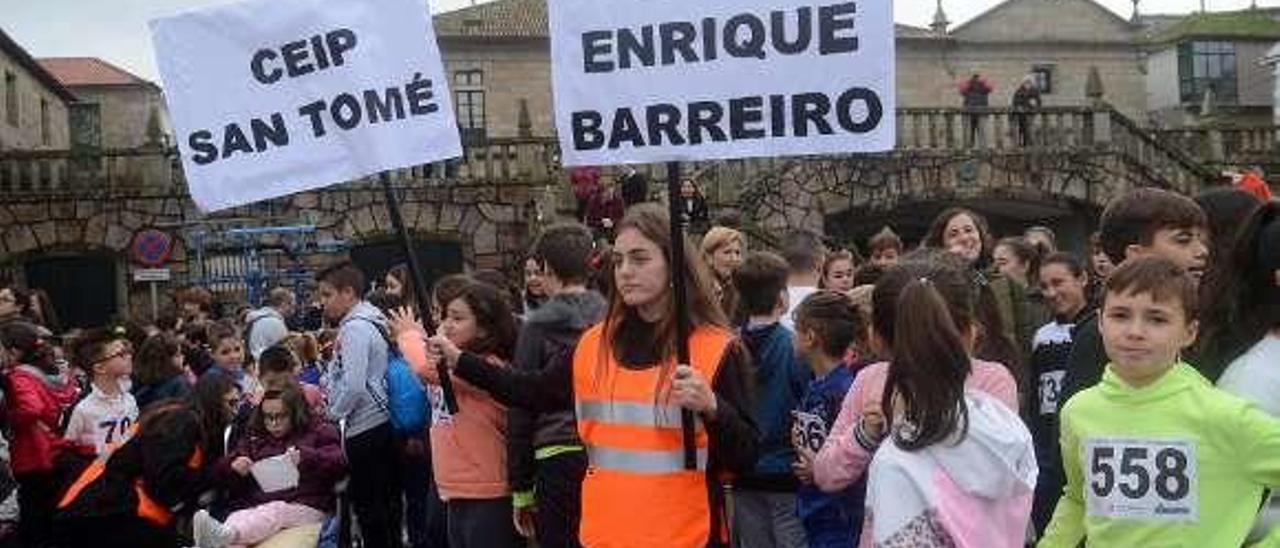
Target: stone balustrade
column 1183, row 158
column 1228, row 146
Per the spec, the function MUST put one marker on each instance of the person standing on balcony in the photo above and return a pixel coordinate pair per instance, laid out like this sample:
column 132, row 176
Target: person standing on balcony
column 1025, row 100
column 693, row 207
column 586, row 183
column 976, row 92
column 635, row 187
column 605, row 210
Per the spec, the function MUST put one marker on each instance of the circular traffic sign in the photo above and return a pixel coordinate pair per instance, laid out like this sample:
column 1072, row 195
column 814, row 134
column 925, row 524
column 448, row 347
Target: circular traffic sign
column 151, row 247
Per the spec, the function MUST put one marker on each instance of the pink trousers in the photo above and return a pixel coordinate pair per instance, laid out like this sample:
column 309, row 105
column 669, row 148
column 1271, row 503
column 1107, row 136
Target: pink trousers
column 254, row 525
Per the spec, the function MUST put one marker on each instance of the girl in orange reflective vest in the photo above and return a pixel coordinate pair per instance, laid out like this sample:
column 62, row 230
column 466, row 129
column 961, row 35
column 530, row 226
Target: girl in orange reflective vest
column 628, row 393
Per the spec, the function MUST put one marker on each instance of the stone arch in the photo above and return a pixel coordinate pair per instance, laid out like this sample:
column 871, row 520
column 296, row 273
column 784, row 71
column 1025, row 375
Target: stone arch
column 437, row 255
column 87, row 283
column 844, row 196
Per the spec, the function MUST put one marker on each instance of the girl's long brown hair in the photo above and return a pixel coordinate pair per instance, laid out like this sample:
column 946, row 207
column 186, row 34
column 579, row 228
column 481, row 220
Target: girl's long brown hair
column 654, row 224
column 1243, row 301
column 922, row 308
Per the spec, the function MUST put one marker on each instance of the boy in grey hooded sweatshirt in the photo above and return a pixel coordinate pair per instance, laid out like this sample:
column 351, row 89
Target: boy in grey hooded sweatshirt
column 358, row 395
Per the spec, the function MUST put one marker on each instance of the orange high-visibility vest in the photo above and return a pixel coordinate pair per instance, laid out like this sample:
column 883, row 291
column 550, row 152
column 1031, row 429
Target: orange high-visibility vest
column 637, row 492
column 148, row 509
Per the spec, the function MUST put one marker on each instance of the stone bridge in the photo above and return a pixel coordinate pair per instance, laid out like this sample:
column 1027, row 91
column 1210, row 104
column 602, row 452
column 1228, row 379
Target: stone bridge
column 78, row 204
column 1062, row 172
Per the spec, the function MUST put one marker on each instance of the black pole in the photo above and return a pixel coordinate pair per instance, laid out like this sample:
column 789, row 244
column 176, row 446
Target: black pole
column 679, row 301
column 419, row 285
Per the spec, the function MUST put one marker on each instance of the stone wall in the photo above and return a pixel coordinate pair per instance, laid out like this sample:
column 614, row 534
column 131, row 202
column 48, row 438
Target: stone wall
column 26, row 135
column 1004, row 66
column 1257, row 81
column 929, row 70
column 514, row 70
column 851, row 198
column 1038, row 21
column 1163, row 92
column 1275, row 78
column 490, row 222
column 125, row 112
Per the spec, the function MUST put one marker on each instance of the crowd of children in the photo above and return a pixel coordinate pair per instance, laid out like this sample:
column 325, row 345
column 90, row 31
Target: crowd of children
column 973, row 392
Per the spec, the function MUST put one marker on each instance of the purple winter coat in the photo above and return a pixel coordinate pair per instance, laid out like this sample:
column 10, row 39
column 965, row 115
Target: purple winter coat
column 322, row 465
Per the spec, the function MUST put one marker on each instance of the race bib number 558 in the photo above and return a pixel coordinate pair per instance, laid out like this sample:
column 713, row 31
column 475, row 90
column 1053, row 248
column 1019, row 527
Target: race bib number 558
column 1150, row 480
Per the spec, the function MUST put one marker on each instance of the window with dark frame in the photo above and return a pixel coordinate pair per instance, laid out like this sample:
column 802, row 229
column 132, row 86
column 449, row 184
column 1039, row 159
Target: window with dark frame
column 45, row 137
column 469, row 102
column 1204, row 66
column 11, row 98
column 1043, row 75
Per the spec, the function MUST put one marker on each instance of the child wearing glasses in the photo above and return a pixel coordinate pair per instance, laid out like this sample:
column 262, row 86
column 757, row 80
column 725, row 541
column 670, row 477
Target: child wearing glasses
column 105, row 417
column 281, row 425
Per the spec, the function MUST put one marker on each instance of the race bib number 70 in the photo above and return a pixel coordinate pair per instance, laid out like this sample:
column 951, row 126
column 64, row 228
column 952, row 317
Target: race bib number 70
column 1148, row 480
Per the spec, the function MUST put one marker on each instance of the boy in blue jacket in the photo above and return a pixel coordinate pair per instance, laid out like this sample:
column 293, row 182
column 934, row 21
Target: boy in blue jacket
column 826, row 323
column 765, row 499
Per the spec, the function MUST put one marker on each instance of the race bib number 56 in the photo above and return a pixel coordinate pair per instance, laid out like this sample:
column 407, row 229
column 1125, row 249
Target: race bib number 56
column 1150, row 480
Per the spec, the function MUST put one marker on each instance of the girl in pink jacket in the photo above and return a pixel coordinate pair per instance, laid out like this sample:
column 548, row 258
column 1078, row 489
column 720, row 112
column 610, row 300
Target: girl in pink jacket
column 933, row 279
column 469, row 448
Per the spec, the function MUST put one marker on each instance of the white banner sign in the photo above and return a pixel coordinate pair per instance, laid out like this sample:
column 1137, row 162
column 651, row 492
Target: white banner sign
column 659, row 80
column 273, row 97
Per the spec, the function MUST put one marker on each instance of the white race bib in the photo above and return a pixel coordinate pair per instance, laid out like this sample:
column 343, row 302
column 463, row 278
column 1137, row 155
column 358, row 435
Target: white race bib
column 111, row 430
column 439, row 411
column 1136, row 479
column 808, row 431
column 1050, row 390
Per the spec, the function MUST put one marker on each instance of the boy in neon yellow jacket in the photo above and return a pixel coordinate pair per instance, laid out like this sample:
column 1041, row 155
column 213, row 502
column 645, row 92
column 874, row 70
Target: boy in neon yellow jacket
column 1155, row 456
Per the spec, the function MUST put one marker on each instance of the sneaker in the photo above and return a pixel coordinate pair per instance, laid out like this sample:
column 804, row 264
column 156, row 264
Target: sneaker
column 209, row 533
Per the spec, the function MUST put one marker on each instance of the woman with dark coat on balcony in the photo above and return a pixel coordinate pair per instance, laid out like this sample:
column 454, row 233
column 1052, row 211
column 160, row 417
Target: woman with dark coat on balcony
column 1025, row 99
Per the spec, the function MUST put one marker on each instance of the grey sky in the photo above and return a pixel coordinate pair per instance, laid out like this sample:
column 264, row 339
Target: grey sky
column 116, row 30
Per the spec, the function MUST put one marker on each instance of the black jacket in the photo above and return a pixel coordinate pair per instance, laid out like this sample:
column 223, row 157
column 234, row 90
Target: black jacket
column 1087, row 360
column 695, row 212
column 147, row 394
column 158, row 454
column 1026, row 98
column 635, row 189
column 549, row 335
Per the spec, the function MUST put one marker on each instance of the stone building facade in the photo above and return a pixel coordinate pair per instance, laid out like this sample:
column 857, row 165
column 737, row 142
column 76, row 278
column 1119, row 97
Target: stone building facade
column 506, row 43
column 1058, row 41
column 498, row 57
column 128, row 111
column 1273, row 60
column 33, row 104
column 1224, row 52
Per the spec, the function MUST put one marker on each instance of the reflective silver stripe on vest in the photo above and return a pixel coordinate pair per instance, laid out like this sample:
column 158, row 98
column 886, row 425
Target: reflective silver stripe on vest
column 639, row 461
column 629, row 413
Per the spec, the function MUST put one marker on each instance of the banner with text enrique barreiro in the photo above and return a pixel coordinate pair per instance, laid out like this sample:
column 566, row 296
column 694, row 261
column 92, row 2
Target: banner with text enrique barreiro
column 273, row 97
column 663, row 80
